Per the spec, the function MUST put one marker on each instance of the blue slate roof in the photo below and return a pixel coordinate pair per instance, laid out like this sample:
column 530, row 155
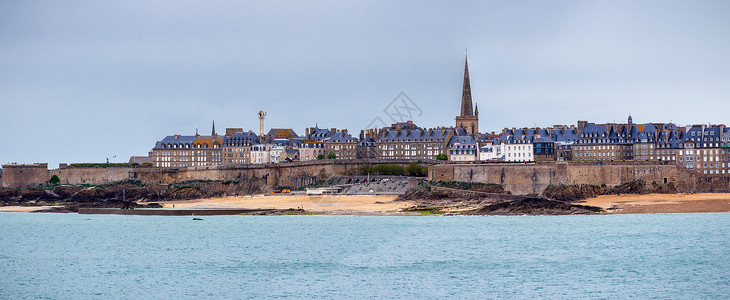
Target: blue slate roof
column 319, row 134
column 417, row 135
column 339, row 137
column 241, row 139
column 460, row 139
column 173, row 141
column 367, row 142
column 701, row 135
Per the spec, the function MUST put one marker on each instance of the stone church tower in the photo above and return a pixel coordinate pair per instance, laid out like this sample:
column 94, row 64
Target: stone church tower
column 468, row 119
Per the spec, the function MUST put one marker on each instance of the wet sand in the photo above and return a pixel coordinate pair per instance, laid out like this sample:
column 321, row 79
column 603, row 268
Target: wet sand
column 662, row 203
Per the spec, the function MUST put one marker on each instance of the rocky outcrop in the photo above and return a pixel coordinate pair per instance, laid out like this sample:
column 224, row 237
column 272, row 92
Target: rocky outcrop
column 123, row 193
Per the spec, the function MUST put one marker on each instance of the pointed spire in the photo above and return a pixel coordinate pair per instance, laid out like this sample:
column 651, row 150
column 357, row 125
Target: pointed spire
column 466, row 92
column 476, row 109
column 213, row 128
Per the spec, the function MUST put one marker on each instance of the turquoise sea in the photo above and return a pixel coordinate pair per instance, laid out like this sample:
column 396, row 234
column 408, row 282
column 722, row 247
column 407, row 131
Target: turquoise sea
column 69, row 256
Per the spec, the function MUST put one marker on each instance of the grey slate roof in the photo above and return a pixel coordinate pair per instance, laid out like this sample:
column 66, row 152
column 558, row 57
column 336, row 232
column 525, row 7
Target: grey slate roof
column 241, row 139
column 339, row 137
column 463, row 140
column 417, row 135
column 180, row 140
column 319, row 134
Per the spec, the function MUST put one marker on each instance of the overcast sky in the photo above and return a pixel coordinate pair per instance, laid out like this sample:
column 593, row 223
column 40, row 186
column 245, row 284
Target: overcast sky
column 82, row 81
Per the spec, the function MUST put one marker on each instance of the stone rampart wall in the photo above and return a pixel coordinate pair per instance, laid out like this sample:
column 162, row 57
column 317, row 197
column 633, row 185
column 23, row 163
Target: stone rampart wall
column 516, row 178
column 534, row 178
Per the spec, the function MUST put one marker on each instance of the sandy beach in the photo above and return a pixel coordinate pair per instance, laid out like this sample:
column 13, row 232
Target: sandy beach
column 662, row 203
column 327, row 204
column 24, row 208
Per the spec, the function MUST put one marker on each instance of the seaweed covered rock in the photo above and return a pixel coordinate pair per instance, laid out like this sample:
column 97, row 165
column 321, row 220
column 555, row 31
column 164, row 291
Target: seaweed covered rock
column 535, row 206
column 573, row 192
column 631, row 187
column 472, row 186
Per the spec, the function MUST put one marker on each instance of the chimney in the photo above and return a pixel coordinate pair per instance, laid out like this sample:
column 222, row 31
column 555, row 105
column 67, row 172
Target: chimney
column 306, row 133
column 581, row 125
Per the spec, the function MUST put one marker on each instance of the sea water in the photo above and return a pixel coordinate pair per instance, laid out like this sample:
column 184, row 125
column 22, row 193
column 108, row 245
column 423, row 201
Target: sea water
column 70, row 256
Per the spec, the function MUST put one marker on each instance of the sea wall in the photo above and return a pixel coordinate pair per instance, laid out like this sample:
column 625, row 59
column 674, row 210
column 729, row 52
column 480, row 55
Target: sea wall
column 295, row 175
column 517, row 178
column 18, row 176
column 534, row 178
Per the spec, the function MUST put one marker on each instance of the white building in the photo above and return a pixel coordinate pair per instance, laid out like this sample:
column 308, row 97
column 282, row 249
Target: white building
column 260, row 154
column 519, row 150
column 275, row 153
column 491, row 151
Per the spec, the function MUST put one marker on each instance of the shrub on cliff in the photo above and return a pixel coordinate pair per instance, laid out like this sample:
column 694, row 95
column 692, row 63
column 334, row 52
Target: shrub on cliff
column 331, row 155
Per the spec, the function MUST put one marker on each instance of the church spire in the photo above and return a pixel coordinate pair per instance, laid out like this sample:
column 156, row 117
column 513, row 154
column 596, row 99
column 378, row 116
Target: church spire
column 476, row 110
column 466, row 92
column 213, row 128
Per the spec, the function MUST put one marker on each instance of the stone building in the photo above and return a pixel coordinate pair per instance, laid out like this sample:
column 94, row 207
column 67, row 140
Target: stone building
column 237, row 148
column 313, row 143
column 174, row 151
column 705, row 149
column 462, row 149
column 414, row 144
column 366, row 147
column 606, row 142
column 342, row 144
column 208, row 150
column 468, row 118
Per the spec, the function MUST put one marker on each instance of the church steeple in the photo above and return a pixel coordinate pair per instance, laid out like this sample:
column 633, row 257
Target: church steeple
column 213, row 128
column 468, row 119
column 466, row 92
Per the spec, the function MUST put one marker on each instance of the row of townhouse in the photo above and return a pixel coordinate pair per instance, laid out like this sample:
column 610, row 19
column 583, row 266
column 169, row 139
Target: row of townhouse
column 529, row 144
column 399, row 141
column 703, row 148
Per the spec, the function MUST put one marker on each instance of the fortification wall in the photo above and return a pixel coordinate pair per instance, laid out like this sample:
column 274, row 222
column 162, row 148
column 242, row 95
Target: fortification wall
column 534, row 178
column 516, row 178
column 91, row 175
column 15, row 176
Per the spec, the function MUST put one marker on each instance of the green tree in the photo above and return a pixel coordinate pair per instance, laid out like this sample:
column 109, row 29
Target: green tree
column 54, row 180
column 366, row 169
column 321, row 156
column 414, row 169
column 442, row 157
column 389, row 169
column 331, row 155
